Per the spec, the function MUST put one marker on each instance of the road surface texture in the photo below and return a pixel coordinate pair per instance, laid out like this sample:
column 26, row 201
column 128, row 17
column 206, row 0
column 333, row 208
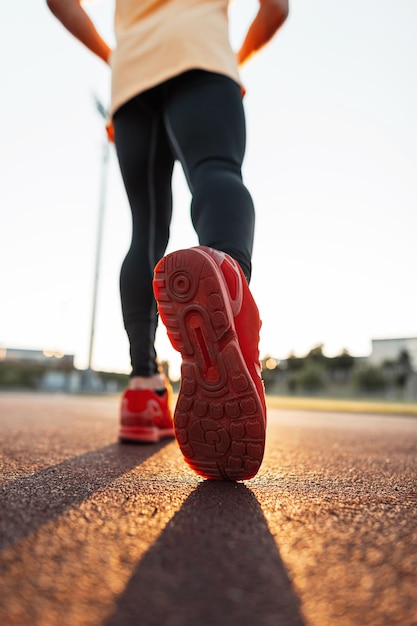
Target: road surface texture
column 97, row 533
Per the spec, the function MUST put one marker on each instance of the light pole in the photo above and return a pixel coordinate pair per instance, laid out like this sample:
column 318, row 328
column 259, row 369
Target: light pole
column 100, row 222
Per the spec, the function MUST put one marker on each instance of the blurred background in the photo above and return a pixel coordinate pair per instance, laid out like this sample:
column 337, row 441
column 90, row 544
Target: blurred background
column 331, row 164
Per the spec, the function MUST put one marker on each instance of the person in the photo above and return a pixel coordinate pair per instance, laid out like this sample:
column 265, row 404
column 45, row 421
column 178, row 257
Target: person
column 177, row 95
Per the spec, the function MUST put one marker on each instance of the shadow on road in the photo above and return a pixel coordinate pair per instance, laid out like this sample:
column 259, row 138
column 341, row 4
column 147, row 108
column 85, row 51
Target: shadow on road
column 215, row 563
column 30, row 502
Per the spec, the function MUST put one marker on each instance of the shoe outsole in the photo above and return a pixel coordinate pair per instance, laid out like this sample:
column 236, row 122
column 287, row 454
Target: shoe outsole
column 219, row 421
column 144, row 435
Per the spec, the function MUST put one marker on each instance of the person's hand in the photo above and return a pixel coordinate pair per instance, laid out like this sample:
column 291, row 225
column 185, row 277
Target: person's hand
column 110, row 131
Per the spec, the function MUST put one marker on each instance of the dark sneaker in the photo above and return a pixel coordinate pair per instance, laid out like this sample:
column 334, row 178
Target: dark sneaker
column 145, row 416
column 211, row 318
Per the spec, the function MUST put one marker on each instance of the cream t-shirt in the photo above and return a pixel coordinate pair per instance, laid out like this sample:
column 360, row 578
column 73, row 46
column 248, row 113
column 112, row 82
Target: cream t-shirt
column 159, row 39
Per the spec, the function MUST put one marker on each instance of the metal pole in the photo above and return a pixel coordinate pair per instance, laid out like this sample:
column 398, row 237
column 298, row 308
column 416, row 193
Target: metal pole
column 102, row 205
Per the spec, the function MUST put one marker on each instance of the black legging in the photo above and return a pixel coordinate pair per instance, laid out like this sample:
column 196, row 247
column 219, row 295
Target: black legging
column 198, row 119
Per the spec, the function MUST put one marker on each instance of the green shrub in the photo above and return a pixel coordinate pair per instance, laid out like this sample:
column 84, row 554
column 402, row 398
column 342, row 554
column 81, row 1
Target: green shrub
column 20, row 375
column 310, row 378
column 369, row 378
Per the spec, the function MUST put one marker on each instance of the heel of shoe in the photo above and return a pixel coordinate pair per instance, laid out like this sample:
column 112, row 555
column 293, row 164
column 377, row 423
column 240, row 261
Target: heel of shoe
column 145, row 416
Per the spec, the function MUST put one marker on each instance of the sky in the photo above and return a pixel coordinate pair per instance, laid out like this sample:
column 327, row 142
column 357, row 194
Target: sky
column 331, row 164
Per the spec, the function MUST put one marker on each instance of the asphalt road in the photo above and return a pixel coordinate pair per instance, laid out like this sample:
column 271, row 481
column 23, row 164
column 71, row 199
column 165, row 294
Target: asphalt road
column 97, row 533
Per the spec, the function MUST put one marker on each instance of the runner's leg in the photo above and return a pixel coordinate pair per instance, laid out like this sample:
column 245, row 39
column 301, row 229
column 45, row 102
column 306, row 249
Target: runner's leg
column 205, row 122
column 146, row 163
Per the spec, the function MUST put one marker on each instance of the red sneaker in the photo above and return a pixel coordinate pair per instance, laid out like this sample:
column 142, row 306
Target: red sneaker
column 212, row 319
column 145, row 416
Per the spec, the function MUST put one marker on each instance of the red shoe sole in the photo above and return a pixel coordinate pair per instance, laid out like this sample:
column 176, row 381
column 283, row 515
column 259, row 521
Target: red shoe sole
column 143, row 434
column 219, row 420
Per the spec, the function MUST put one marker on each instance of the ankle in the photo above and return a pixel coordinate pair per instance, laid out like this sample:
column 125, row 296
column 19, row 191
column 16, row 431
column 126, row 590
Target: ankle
column 155, row 382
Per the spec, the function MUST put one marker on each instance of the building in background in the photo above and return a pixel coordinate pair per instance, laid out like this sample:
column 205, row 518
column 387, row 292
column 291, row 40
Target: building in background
column 44, row 357
column 391, row 349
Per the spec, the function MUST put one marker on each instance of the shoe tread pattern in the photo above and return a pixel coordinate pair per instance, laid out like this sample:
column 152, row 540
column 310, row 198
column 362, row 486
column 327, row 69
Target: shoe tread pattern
column 218, row 419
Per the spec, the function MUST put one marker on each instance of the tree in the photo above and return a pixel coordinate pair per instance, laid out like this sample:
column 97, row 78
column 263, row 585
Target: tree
column 294, row 363
column 404, row 369
column 344, row 360
column 310, row 378
column 316, row 354
column 340, row 366
column 369, row 378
